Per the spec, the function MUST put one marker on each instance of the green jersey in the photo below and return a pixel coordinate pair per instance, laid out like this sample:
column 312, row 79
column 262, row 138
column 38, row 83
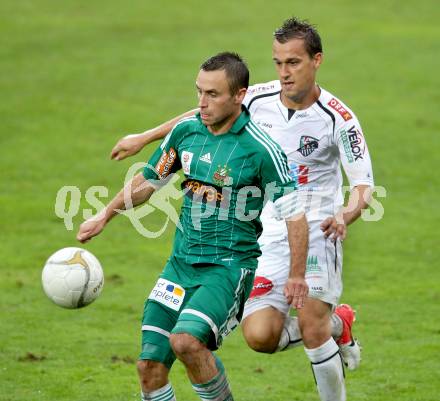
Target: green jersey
column 228, row 178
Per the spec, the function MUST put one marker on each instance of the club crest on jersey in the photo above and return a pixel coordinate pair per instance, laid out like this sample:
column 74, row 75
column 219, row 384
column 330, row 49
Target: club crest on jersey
column 307, row 145
column 221, row 176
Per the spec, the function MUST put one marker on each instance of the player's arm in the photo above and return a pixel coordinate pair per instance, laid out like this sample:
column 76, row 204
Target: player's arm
column 356, row 163
column 137, row 191
column 131, row 144
column 288, row 207
column 359, row 199
column 296, row 289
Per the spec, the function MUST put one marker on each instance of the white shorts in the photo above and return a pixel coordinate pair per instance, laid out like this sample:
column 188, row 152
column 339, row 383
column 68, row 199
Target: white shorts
column 323, row 273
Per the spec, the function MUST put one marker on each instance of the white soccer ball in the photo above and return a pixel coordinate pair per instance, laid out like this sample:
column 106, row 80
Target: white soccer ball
column 72, row 278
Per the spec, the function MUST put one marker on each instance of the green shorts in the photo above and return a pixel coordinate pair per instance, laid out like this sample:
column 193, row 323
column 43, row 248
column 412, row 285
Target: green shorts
column 204, row 301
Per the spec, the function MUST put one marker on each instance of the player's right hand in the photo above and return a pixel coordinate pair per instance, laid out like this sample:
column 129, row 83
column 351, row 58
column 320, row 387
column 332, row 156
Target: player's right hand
column 89, row 229
column 129, row 145
column 296, row 290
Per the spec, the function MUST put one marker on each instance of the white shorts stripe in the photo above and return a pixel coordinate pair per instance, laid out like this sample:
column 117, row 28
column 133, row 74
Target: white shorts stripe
column 147, row 327
column 206, row 318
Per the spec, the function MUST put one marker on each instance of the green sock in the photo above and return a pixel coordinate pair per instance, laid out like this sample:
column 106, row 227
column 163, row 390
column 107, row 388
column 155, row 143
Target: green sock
column 217, row 389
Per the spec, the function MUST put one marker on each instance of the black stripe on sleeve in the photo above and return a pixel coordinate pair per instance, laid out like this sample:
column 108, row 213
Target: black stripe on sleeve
column 329, row 113
column 263, row 95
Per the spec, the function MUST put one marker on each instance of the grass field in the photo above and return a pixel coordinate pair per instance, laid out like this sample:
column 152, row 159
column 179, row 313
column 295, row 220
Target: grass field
column 75, row 76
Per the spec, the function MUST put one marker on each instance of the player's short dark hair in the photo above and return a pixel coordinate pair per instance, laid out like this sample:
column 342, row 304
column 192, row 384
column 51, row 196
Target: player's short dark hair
column 235, row 68
column 294, row 28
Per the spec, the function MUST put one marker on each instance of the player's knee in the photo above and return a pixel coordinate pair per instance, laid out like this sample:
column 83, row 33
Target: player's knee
column 314, row 331
column 184, row 344
column 152, row 374
column 260, row 338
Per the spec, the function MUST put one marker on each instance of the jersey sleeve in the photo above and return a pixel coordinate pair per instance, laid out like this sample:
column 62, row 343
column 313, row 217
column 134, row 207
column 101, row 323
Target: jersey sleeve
column 354, row 154
column 165, row 160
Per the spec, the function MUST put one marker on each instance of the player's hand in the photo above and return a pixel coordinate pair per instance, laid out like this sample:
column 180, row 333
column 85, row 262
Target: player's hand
column 127, row 146
column 334, row 227
column 296, row 290
column 90, row 228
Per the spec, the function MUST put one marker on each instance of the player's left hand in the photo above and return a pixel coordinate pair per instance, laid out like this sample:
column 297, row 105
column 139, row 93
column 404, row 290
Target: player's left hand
column 334, row 227
column 296, row 290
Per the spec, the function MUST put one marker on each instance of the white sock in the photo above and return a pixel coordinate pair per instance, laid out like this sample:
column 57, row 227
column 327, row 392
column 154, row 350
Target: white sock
column 337, row 326
column 328, row 371
column 290, row 336
column 165, row 393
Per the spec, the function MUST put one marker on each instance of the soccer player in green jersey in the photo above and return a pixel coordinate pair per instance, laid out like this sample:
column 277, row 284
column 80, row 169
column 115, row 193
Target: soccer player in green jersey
column 231, row 168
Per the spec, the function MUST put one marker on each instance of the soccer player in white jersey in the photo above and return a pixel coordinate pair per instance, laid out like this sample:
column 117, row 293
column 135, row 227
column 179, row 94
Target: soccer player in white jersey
column 318, row 133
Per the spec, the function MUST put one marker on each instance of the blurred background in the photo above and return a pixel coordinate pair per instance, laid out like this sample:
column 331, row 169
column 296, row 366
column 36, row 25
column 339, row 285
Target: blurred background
column 75, row 76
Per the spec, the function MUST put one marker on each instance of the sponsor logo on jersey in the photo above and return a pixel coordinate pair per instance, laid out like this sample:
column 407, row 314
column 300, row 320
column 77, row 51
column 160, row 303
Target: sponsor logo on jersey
column 262, row 285
column 221, row 176
column 345, row 114
column 166, row 161
column 264, row 124
column 168, row 293
column 186, row 161
column 258, row 89
column 312, row 264
column 354, row 144
column 307, row 145
column 202, row 192
column 206, row 158
column 301, row 115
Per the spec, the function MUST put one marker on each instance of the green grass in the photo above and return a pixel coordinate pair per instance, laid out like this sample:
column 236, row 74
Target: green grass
column 77, row 75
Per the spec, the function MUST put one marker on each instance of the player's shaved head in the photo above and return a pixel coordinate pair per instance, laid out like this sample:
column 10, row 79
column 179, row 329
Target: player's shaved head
column 294, row 28
column 235, row 68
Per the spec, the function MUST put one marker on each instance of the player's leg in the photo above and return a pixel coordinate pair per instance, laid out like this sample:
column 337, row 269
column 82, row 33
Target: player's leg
column 322, row 350
column 153, row 377
column 324, row 278
column 156, row 357
column 212, row 312
column 263, row 328
column 267, row 326
column 265, row 311
column 161, row 312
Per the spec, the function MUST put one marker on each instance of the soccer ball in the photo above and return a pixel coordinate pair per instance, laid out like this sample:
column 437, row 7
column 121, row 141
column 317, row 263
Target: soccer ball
column 72, row 278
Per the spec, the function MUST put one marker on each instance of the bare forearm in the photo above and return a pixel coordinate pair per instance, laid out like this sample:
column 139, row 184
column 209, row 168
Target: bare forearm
column 298, row 235
column 359, row 199
column 137, row 191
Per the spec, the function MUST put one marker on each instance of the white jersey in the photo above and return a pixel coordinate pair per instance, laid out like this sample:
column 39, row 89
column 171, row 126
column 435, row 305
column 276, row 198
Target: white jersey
column 316, row 140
